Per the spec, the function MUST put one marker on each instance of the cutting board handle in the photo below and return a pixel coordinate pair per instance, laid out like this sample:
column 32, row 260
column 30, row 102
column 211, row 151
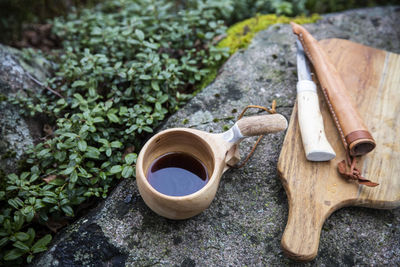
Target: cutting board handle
column 301, row 236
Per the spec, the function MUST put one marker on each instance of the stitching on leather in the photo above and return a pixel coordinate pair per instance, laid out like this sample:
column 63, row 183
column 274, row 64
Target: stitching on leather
column 335, row 118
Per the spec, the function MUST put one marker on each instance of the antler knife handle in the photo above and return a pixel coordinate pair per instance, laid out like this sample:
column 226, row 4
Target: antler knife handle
column 316, row 146
column 263, row 124
column 354, row 134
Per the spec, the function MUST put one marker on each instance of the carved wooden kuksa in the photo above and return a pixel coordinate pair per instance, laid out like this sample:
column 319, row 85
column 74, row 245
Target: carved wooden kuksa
column 315, row 189
column 215, row 151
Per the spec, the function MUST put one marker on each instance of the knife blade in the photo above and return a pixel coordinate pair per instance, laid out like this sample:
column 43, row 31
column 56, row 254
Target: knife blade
column 315, row 143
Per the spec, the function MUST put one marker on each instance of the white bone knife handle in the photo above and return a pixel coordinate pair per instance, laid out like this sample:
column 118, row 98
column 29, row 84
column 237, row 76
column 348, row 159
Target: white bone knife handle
column 316, row 146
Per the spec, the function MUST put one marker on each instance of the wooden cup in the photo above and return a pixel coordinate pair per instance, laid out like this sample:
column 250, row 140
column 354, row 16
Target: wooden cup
column 215, row 151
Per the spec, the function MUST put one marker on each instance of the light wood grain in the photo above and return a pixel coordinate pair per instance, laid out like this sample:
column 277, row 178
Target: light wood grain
column 315, row 189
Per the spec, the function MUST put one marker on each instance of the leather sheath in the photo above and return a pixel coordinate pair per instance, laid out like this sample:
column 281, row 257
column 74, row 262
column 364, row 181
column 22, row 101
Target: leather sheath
column 354, row 134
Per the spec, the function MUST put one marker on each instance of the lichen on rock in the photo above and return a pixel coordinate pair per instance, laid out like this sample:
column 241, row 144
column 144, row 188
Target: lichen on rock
column 17, row 133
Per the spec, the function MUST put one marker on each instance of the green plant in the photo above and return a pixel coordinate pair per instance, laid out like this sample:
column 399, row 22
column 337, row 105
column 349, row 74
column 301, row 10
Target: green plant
column 124, row 66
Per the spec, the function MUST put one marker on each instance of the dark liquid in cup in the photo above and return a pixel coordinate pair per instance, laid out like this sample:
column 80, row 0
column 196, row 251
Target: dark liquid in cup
column 177, row 174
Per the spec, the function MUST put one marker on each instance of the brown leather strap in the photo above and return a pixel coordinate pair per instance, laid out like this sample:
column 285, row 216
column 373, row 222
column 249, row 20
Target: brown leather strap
column 272, row 110
column 349, row 171
column 361, row 134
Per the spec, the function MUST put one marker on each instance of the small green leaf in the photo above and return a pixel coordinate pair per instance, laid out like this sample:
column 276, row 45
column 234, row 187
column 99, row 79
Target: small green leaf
column 92, row 152
column 98, row 119
column 68, row 210
column 13, row 254
column 21, row 246
column 163, row 99
column 115, row 169
column 57, row 181
column 49, row 194
column 131, row 129
column 34, row 177
column 103, row 175
column 29, row 258
column 12, row 177
column 82, row 145
column 130, row 158
column 74, row 177
column 31, row 234
column 3, row 241
column 42, row 242
column 139, row 34
column 30, row 215
column 60, row 155
column 19, row 201
column 154, row 85
column 70, row 135
column 64, row 201
column 22, row 236
column 24, row 175
column 78, row 83
column 116, row 144
column 112, row 117
column 39, row 249
column 96, row 31
column 39, row 204
column 49, row 200
column 108, row 152
column 11, row 187
column 68, row 170
column 145, row 77
column 43, row 152
column 19, row 220
column 13, row 203
column 147, row 129
column 127, row 171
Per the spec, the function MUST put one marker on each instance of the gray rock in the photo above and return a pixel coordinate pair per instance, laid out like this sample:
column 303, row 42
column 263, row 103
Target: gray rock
column 17, row 133
column 245, row 222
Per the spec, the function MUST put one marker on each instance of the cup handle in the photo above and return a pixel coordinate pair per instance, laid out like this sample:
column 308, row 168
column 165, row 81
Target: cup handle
column 264, row 124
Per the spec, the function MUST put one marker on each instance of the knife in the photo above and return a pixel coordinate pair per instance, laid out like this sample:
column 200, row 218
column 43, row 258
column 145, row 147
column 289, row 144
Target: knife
column 316, row 146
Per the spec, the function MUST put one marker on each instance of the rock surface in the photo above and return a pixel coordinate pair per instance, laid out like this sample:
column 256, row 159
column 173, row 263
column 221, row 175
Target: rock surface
column 245, row 222
column 16, row 133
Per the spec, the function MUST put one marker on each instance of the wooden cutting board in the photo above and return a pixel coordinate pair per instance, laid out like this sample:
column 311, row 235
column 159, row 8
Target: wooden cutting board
column 315, row 189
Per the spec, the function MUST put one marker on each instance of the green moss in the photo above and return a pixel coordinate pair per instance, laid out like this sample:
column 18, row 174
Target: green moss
column 241, row 33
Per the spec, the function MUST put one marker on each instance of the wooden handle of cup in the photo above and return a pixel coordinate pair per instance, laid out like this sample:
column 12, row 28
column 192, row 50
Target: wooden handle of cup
column 259, row 125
